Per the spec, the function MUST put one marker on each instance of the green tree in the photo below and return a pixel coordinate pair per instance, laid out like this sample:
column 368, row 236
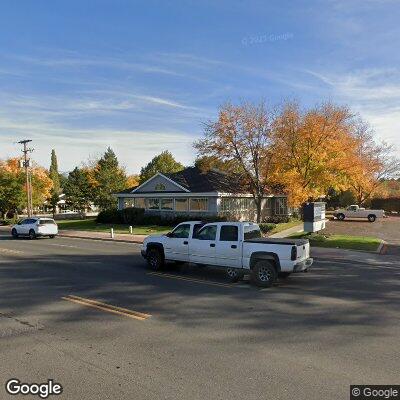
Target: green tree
column 78, row 189
column 12, row 194
column 164, row 163
column 55, row 178
column 109, row 178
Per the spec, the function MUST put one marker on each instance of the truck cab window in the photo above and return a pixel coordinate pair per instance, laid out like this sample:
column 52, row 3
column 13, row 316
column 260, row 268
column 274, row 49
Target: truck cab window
column 207, row 233
column 229, row 233
column 182, row 231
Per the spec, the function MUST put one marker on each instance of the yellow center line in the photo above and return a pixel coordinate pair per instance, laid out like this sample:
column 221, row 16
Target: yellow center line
column 107, row 307
column 194, row 280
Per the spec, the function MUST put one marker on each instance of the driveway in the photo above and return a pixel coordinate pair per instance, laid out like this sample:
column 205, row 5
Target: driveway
column 387, row 229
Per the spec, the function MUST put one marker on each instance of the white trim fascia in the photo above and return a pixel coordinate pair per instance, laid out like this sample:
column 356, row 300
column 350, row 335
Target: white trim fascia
column 165, row 177
column 220, row 194
column 167, row 194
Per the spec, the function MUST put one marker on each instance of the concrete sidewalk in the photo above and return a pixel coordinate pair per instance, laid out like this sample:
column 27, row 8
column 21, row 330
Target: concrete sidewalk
column 118, row 237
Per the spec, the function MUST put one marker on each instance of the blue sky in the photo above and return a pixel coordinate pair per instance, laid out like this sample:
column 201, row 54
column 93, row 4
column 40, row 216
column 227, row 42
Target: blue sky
column 142, row 76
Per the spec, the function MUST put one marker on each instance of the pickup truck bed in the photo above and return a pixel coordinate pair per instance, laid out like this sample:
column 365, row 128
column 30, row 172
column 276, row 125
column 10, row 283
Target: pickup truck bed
column 290, row 242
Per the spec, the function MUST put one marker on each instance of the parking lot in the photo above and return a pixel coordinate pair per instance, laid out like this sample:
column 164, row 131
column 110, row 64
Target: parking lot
column 89, row 315
column 387, row 229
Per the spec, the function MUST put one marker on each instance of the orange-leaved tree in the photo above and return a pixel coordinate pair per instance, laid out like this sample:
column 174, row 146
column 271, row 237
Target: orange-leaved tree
column 373, row 163
column 242, row 135
column 314, row 150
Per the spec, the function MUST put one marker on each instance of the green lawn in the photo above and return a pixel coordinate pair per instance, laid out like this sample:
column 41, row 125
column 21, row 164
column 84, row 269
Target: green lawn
column 364, row 243
column 285, row 225
column 91, row 225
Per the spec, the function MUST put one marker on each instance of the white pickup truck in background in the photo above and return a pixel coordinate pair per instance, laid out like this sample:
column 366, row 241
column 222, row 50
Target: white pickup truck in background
column 355, row 211
column 238, row 247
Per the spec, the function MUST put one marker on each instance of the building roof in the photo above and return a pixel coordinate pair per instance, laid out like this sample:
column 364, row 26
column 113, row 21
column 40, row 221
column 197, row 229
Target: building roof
column 197, row 181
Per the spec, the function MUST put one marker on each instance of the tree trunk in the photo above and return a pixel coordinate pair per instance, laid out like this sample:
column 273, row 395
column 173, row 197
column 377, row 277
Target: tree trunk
column 258, row 202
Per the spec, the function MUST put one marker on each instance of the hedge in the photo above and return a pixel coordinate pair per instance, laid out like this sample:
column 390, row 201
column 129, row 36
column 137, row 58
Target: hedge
column 137, row 216
column 387, row 204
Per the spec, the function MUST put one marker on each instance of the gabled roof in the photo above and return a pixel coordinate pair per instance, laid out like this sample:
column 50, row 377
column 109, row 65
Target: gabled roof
column 196, row 180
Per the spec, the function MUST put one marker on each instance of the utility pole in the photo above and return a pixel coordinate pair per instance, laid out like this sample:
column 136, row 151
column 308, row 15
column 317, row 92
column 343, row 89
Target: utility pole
column 28, row 179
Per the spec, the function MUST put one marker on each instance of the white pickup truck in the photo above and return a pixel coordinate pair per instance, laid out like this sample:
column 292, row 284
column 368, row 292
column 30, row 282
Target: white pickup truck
column 355, row 211
column 238, row 247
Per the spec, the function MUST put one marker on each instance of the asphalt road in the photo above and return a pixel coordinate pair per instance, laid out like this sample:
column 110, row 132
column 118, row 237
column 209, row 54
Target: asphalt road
column 309, row 337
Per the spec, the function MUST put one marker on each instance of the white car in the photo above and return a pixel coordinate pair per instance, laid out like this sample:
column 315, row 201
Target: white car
column 237, row 247
column 34, row 227
column 354, row 211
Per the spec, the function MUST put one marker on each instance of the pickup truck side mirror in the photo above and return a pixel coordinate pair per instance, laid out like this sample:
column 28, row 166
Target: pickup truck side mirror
column 169, row 234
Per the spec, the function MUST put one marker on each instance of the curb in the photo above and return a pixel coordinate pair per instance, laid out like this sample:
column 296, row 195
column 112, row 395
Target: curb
column 100, row 239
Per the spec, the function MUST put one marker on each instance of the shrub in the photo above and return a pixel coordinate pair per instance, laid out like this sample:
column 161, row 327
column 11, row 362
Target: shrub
column 266, row 227
column 132, row 215
column 109, row 217
column 387, row 204
column 277, row 219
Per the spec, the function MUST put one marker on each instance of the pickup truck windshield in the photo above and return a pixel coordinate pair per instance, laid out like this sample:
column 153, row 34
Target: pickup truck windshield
column 252, row 232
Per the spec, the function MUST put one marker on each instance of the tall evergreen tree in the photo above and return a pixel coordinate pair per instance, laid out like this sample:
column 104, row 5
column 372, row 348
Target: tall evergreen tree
column 55, row 178
column 78, row 189
column 164, row 163
column 109, row 178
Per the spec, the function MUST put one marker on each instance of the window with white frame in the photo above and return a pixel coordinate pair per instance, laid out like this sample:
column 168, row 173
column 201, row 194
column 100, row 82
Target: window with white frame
column 200, row 204
column 281, row 206
column 167, row 204
column 181, row 204
column 140, row 202
column 229, row 204
column 153, row 204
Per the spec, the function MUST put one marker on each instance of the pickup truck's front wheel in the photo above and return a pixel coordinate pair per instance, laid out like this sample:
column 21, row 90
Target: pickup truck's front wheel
column 155, row 259
column 263, row 273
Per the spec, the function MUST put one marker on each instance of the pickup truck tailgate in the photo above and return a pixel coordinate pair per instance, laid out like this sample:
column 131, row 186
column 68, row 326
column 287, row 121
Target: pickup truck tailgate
column 303, row 251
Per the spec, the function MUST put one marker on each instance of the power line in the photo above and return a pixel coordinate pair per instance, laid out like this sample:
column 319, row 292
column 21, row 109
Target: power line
column 26, row 165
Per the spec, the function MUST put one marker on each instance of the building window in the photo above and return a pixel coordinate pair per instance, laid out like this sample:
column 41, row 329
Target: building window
column 129, row 203
column 140, row 202
column 181, row 204
column 167, row 204
column 198, row 204
column 160, row 187
column 281, row 206
column 237, row 204
column 153, row 204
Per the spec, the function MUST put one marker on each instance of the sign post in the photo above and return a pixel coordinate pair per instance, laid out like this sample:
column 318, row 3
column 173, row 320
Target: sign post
column 314, row 217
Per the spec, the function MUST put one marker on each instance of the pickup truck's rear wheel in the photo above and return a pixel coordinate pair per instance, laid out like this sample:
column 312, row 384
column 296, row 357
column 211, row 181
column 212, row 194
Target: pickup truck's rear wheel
column 155, row 259
column 32, row 234
column 340, row 217
column 263, row 273
column 371, row 218
column 234, row 274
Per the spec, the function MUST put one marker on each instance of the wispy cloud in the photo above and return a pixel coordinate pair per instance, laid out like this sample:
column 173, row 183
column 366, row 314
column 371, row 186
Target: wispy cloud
column 373, row 92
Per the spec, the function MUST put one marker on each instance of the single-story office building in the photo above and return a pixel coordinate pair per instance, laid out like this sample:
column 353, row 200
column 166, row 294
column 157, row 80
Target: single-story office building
column 198, row 194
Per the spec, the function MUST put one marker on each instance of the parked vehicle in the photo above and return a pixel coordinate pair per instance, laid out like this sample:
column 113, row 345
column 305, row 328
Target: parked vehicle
column 35, row 227
column 238, row 247
column 355, row 211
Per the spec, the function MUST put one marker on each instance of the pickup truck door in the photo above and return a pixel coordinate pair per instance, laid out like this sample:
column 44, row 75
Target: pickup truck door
column 177, row 243
column 202, row 246
column 228, row 248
